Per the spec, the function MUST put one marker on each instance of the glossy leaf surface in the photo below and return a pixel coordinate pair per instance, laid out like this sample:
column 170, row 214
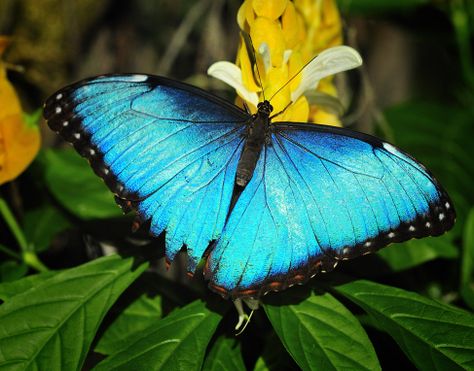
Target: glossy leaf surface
column 433, row 335
column 70, row 305
column 320, row 333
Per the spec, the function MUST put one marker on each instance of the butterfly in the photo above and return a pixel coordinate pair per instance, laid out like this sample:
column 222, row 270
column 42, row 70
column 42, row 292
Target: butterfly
column 265, row 204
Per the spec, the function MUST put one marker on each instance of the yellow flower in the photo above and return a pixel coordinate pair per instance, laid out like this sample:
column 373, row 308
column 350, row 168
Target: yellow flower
column 19, row 141
column 286, row 36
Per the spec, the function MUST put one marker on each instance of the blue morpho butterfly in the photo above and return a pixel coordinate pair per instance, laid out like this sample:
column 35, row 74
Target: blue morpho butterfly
column 266, row 204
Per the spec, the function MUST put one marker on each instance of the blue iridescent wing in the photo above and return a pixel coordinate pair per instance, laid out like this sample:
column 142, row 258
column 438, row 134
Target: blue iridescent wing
column 164, row 148
column 320, row 194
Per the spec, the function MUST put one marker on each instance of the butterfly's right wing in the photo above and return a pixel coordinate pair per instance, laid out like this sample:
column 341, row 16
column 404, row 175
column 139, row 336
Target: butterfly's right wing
column 320, row 194
column 164, row 148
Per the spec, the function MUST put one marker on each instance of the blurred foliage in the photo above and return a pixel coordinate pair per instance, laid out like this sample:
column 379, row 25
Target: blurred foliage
column 408, row 306
column 46, row 52
column 70, row 181
column 367, row 7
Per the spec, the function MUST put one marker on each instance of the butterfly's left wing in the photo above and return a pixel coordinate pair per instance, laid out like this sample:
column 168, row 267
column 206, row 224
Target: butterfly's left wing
column 166, row 149
column 320, row 194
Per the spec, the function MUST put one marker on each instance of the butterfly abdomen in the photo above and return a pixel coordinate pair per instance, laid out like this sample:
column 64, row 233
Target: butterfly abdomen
column 256, row 135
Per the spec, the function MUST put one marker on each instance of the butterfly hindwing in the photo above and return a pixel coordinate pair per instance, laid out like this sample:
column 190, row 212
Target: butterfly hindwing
column 166, row 149
column 320, row 194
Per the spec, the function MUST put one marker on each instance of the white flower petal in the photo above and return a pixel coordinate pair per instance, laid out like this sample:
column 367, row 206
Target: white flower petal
column 328, row 62
column 232, row 75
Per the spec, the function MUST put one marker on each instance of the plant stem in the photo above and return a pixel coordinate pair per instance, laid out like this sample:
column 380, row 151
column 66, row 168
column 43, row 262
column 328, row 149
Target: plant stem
column 460, row 20
column 27, row 255
column 31, row 259
column 13, row 225
column 9, row 252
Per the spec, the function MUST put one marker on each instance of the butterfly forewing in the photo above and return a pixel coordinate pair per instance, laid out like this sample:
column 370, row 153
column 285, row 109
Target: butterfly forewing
column 164, row 148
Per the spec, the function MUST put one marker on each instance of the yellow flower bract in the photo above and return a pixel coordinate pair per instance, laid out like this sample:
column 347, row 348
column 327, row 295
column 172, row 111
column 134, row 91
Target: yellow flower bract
column 291, row 32
column 269, row 9
column 19, row 142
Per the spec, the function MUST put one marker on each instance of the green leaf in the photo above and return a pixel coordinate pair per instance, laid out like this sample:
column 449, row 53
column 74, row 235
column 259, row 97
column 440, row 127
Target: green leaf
column 142, row 313
column 320, row 333
column 467, row 262
column 368, row 321
column 415, row 252
column 42, row 224
column 32, row 119
column 10, row 289
column 467, row 293
column 177, row 342
column 433, row 335
column 460, row 14
column 73, row 183
column 467, row 267
column 225, row 354
column 51, row 326
column 11, row 270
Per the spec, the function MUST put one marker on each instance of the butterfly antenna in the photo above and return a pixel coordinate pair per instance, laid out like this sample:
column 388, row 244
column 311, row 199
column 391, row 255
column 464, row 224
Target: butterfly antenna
column 292, row 78
column 253, row 58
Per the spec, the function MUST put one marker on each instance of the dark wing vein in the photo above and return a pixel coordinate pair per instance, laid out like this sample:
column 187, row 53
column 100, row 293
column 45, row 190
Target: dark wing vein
column 370, row 206
column 401, row 186
column 309, row 189
column 191, row 163
column 341, row 195
column 259, row 222
column 293, row 192
column 283, row 134
column 411, row 177
column 271, row 215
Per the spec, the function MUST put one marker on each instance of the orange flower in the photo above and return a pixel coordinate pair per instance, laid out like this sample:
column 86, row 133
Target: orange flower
column 19, row 140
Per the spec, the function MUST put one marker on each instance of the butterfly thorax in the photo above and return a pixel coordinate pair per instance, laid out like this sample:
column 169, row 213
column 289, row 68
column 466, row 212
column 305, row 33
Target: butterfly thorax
column 256, row 134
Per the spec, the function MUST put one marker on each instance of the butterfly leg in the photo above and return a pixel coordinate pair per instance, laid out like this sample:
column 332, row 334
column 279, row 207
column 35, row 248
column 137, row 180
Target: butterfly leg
column 244, row 318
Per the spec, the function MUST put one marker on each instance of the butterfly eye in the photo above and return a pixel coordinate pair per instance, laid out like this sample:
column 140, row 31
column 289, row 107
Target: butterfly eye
column 259, row 105
column 270, row 107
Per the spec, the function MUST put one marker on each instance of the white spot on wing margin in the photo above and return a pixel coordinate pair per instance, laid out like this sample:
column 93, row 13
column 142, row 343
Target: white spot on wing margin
column 390, row 148
column 137, row 78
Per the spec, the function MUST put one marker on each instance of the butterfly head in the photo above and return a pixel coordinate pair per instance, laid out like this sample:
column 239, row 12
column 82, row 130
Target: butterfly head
column 264, row 108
